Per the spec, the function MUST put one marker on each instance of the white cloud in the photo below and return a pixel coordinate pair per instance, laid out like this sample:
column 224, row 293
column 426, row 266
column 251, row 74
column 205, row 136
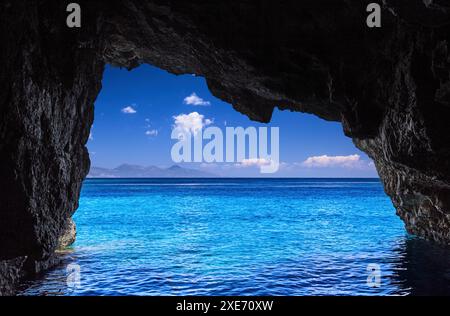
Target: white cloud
column 91, row 136
column 194, row 99
column 152, row 132
column 325, row 161
column 253, row 162
column 129, row 110
column 191, row 123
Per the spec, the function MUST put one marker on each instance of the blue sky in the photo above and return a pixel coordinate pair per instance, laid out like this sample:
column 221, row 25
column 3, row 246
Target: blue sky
column 135, row 114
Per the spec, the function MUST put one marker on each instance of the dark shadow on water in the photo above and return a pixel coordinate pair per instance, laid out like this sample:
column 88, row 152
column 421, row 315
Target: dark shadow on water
column 422, row 267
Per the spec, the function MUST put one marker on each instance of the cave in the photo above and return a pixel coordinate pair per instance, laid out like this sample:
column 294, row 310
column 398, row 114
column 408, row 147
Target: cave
column 388, row 86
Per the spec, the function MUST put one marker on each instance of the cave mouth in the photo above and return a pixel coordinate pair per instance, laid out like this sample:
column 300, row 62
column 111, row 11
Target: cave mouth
column 137, row 111
column 144, row 228
column 389, row 87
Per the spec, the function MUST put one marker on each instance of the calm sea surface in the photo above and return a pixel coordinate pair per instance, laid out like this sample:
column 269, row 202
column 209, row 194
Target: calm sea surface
column 242, row 237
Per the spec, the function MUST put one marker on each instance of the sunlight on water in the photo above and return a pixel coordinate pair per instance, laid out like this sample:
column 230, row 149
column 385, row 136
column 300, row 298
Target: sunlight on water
column 243, row 237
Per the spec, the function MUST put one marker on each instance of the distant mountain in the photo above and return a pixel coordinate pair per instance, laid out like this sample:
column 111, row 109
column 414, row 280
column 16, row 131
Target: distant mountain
column 135, row 171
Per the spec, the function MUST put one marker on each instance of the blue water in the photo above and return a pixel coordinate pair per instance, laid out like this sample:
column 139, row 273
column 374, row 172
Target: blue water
column 243, row 237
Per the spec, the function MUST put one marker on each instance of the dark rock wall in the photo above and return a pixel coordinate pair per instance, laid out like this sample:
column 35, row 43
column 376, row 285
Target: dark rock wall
column 390, row 88
column 50, row 78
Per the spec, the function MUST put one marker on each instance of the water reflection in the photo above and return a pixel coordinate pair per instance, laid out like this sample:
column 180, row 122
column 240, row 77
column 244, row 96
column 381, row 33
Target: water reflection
column 422, row 268
column 414, row 267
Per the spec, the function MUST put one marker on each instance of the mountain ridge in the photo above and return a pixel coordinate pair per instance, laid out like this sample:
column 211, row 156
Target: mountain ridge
column 138, row 171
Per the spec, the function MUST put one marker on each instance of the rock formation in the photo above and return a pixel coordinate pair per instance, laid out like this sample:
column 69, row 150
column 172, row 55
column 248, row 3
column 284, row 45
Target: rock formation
column 389, row 86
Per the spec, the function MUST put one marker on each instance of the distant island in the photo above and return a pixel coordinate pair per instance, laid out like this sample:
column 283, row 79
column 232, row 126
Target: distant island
column 136, row 171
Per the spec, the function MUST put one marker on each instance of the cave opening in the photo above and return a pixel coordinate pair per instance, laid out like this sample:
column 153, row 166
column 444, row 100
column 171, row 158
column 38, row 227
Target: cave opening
column 137, row 111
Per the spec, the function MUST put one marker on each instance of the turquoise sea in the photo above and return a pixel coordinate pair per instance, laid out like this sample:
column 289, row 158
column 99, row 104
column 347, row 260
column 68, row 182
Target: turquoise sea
column 242, row 237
